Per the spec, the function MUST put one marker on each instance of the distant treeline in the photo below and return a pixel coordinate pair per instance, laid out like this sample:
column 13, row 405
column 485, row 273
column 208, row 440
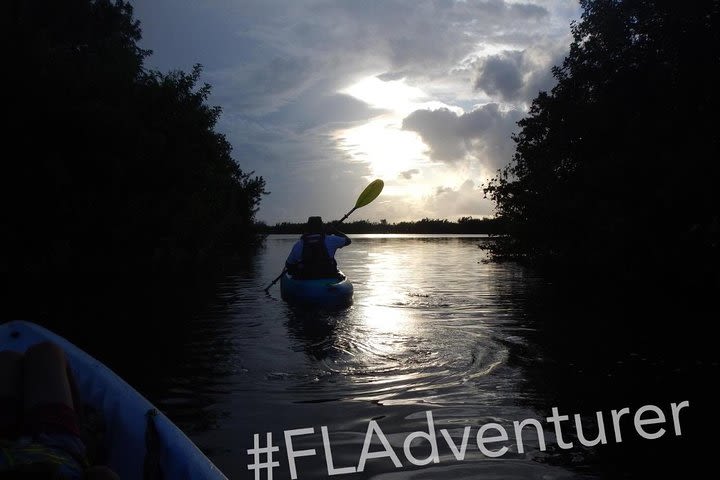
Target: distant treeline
column 464, row 225
column 109, row 166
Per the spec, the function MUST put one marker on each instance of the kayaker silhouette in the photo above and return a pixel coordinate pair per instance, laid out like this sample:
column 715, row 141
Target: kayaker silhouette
column 313, row 256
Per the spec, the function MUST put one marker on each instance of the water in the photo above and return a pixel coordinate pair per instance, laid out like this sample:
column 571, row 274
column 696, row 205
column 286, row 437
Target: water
column 433, row 328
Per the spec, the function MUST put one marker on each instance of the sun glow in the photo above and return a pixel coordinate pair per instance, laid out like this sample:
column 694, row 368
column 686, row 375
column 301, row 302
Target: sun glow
column 381, row 142
column 400, row 157
column 384, row 145
column 396, row 95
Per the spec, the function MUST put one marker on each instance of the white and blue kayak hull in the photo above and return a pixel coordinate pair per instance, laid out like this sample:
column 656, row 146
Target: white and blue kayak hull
column 316, row 292
column 124, row 412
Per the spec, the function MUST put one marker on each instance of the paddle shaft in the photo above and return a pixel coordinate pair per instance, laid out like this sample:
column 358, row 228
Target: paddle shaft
column 276, row 280
column 347, row 215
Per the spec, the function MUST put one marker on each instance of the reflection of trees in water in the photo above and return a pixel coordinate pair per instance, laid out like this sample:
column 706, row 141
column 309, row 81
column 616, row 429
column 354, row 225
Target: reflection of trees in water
column 586, row 346
column 193, row 352
column 170, row 337
column 592, row 350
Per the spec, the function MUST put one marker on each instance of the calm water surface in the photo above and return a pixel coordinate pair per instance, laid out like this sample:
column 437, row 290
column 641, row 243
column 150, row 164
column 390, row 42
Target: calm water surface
column 432, row 328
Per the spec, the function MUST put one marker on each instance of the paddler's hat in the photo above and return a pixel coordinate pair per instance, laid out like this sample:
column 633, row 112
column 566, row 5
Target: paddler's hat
column 315, row 225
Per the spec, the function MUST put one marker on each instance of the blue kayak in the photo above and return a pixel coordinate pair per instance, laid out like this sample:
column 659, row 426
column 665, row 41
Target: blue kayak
column 317, row 292
column 126, row 413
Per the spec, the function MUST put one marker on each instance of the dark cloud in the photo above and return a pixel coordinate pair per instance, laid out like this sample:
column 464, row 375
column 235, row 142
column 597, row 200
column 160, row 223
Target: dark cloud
column 299, row 169
column 392, row 76
column 280, row 74
column 518, row 76
column 440, row 130
column 501, row 75
column 529, row 10
column 483, row 133
column 328, row 110
column 408, row 174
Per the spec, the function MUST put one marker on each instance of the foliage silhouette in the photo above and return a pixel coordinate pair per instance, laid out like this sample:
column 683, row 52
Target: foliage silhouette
column 616, row 168
column 117, row 168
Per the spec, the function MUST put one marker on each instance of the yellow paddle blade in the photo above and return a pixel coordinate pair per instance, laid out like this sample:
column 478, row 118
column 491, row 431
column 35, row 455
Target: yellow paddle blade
column 370, row 193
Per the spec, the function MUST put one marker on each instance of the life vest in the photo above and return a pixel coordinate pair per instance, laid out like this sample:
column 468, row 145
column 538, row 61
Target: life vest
column 316, row 261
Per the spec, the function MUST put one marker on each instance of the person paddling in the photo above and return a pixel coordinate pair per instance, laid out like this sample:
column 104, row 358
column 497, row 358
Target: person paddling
column 313, row 256
column 295, row 260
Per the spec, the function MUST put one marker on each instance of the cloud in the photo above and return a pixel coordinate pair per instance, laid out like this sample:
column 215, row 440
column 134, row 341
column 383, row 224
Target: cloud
column 276, row 69
column 260, row 55
column 301, row 172
column 465, row 201
column 329, row 110
column 484, row 133
column 441, row 131
column 528, row 10
column 417, row 36
column 518, row 75
column 408, row 174
column 501, row 75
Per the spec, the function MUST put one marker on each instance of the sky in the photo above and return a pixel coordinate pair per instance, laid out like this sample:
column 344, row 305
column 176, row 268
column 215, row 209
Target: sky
column 320, row 97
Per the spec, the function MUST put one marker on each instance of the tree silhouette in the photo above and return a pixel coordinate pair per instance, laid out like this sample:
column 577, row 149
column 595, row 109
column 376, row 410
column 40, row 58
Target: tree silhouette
column 617, row 166
column 110, row 166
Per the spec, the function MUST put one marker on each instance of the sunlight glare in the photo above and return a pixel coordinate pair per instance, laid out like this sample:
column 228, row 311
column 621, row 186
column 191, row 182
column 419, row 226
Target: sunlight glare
column 394, row 95
column 398, row 156
column 382, row 143
column 383, row 296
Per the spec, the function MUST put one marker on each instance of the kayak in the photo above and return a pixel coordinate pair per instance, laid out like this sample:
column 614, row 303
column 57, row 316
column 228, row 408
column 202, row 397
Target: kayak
column 127, row 414
column 318, row 292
